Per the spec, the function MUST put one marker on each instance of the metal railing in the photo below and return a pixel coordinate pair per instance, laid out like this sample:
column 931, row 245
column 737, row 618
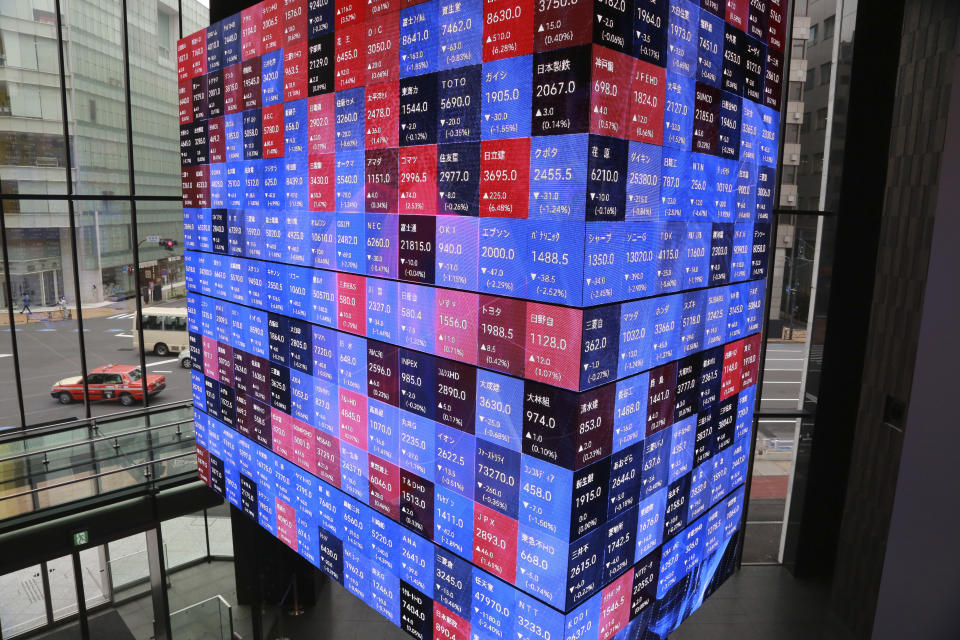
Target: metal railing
column 56, row 464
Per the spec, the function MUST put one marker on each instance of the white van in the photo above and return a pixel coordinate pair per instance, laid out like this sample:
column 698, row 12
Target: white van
column 164, row 330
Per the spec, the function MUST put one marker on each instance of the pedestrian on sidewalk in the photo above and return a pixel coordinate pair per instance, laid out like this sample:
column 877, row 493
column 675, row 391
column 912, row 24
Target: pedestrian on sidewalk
column 62, row 303
column 26, row 304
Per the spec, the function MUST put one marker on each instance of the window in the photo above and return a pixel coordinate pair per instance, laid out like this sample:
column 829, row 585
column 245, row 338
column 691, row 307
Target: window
column 31, row 149
column 174, row 323
column 152, row 323
column 818, row 163
column 798, row 51
column 114, row 378
column 805, row 127
column 164, row 39
column 813, row 33
column 104, row 274
column 791, row 133
column 825, row 72
column 828, row 27
column 821, row 118
column 804, row 163
column 5, row 109
column 811, row 78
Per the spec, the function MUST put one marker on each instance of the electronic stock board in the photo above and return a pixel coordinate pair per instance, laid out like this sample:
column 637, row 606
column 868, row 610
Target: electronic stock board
column 475, row 296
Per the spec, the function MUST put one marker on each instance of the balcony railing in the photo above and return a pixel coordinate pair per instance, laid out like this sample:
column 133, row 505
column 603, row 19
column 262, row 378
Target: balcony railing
column 54, row 465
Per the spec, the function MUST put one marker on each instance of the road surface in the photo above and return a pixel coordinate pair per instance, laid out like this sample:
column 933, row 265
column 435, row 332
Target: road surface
column 49, row 350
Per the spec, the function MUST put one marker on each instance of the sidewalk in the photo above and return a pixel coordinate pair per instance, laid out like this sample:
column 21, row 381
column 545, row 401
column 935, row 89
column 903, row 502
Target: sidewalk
column 90, row 309
column 52, row 314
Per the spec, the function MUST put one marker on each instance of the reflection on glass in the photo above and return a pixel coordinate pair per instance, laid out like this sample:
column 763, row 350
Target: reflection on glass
column 93, row 53
column 153, row 96
column 21, row 602
column 32, row 149
column 769, row 490
column 196, row 15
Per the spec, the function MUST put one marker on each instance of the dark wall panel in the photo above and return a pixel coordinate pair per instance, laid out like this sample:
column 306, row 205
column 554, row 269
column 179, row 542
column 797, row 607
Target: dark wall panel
column 899, row 409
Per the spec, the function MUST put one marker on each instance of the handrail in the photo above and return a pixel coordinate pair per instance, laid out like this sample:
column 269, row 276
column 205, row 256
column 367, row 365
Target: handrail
column 20, row 434
column 93, row 440
column 100, row 460
column 94, row 476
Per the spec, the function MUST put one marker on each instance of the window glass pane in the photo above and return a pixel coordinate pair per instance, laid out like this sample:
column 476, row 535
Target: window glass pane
column 184, row 539
column 14, row 481
column 828, row 26
column 129, row 573
column 129, row 570
column 172, row 445
column 63, row 590
column 153, row 96
column 105, row 245
column 161, row 267
column 175, row 323
column 825, row 73
column 61, row 473
column 45, row 318
column 9, row 404
column 94, row 564
column 221, row 533
column 152, row 323
column 32, row 150
column 772, row 463
column 93, row 49
column 196, row 15
column 21, row 601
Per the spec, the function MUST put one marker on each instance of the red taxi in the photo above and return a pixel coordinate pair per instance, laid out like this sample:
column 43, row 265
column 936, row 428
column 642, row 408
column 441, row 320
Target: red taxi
column 112, row 382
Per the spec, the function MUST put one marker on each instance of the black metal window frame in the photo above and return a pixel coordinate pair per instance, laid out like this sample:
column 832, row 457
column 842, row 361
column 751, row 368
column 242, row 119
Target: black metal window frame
column 71, row 198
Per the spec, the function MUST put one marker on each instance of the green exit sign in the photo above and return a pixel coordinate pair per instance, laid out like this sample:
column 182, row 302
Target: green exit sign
column 81, row 538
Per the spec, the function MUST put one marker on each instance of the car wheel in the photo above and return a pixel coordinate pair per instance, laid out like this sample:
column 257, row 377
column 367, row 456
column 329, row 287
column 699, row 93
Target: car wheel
column 126, row 399
column 64, row 397
column 161, row 349
column 185, row 363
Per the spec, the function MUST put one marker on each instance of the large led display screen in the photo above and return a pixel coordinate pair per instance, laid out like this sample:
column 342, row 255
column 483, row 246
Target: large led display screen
column 475, row 296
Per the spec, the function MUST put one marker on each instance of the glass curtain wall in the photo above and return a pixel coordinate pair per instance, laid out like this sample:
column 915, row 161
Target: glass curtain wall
column 813, row 137
column 92, row 292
